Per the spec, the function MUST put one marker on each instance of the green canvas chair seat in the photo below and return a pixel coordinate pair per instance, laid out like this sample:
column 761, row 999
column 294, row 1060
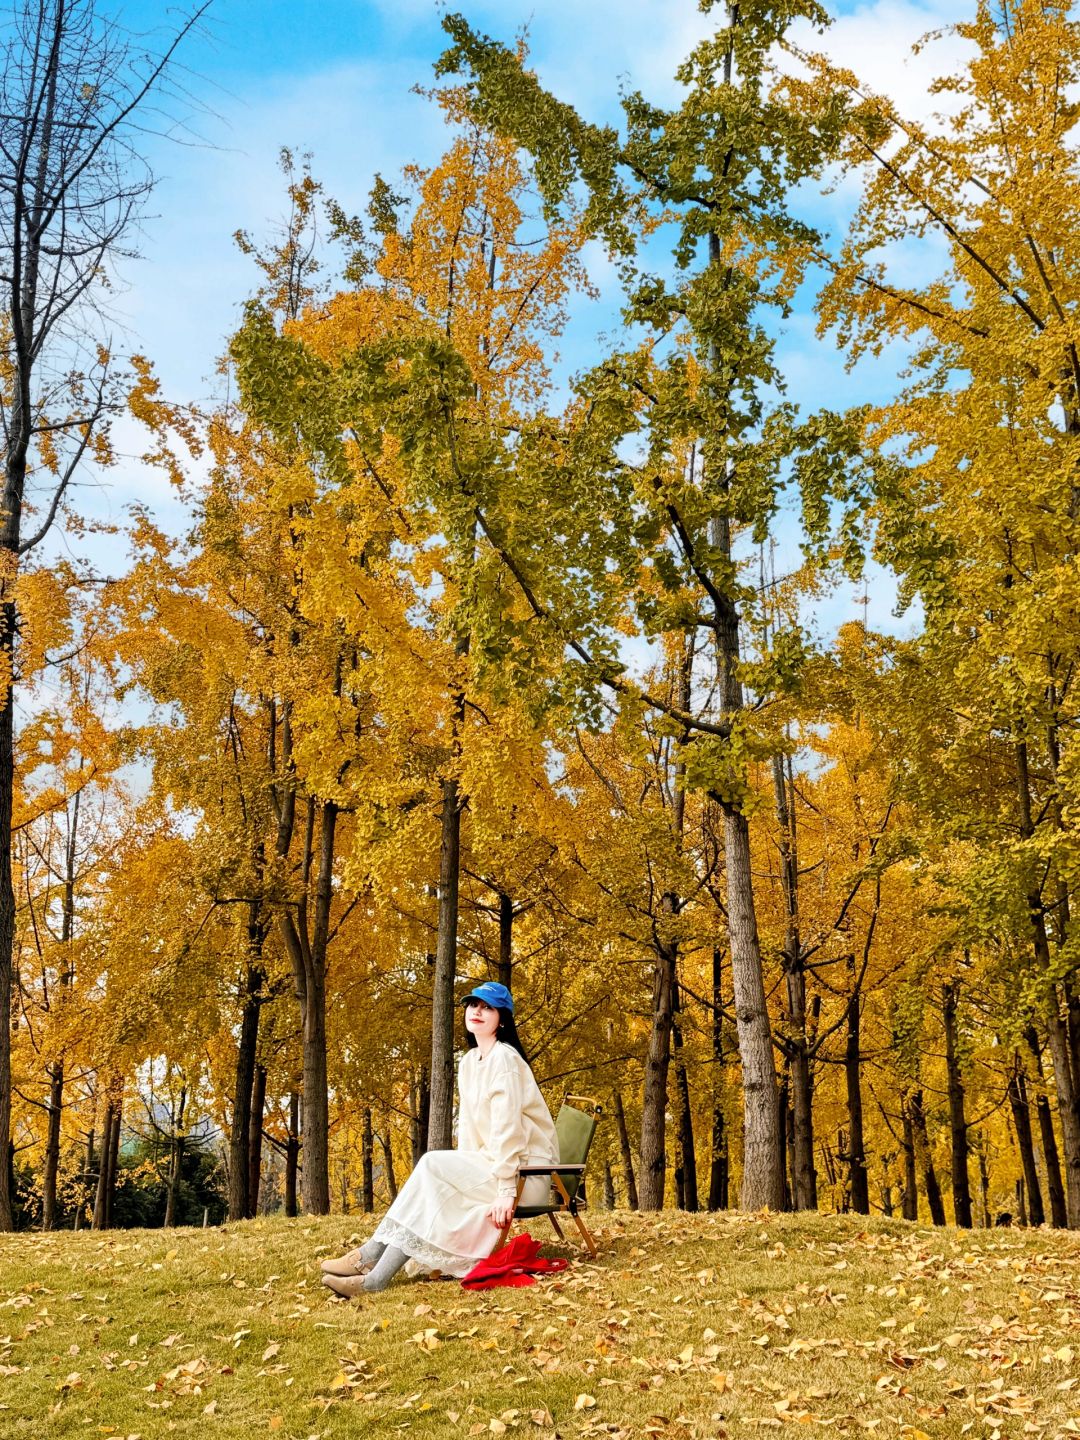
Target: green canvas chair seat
column 575, row 1127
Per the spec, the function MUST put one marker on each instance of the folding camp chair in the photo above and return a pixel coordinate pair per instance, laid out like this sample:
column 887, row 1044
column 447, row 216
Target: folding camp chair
column 574, row 1127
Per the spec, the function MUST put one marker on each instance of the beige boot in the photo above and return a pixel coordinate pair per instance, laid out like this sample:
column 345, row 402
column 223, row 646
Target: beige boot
column 349, row 1287
column 350, row 1264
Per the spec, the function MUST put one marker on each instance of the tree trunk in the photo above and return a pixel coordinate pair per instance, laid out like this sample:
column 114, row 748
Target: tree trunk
column 315, row 1176
column 803, row 1178
column 292, row 1155
column 762, row 1181
column 1018, row 1102
column 506, row 941
column 7, row 902
column 783, row 1106
column 984, row 1188
column 1055, row 1188
column 922, row 1146
column 240, row 1205
column 67, row 977
column 1068, row 1098
column 255, row 1140
column 958, row 1130
column 653, row 1147
column 624, row 1149
column 858, row 1178
column 307, row 951
column 687, row 1153
column 172, row 1195
column 910, row 1203
column 87, row 1178
column 388, row 1165
column 655, row 1097
column 114, row 1163
column 1066, row 1083
column 440, row 1130
column 52, row 1145
column 367, row 1147
column 421, row 1110
column 100, row 1205
column 718, row 1170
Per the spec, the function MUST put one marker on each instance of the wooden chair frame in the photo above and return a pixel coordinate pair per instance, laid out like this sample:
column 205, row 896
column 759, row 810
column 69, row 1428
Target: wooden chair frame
column 567, row 1205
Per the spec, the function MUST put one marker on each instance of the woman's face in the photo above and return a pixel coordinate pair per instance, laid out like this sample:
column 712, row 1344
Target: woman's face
column 481, row 1019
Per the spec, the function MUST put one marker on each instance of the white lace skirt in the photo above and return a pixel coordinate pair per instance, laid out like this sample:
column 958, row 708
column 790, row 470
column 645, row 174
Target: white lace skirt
column 440, row 1216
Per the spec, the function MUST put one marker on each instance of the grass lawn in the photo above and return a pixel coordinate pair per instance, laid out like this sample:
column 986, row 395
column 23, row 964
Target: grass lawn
column 686, row 1326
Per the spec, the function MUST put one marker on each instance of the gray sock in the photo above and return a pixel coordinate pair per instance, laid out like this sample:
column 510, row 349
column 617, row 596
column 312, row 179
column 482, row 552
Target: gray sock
column 391, row 1262
column 371, row 1252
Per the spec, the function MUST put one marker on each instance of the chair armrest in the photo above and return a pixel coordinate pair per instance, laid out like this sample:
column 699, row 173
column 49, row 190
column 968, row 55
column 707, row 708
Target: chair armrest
column 551, row 1169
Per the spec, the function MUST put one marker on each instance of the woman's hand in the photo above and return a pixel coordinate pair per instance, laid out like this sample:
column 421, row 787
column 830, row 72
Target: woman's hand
column 501, row 1211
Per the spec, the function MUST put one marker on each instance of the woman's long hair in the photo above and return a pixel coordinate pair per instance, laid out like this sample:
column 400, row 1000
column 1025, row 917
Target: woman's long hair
column 507, row 1033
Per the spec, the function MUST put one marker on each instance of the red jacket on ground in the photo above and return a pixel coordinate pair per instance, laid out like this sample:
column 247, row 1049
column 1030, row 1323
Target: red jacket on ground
column 518, row 1263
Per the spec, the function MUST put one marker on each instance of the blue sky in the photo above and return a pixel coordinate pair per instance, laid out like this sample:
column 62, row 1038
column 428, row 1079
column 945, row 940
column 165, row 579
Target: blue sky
column 335, row 78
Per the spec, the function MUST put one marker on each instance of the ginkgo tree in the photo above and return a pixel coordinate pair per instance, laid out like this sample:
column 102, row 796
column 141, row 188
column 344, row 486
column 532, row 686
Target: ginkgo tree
column 981, row 522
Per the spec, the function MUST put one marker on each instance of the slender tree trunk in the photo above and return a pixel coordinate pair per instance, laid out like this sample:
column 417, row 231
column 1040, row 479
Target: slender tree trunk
column 7, row 908
column 922, row 1146
column 653, row 1147
column 23, row 298
column 112, row 1162
column 687, row 1153
column 67, row 977
column 443, row 1007
column 783, row 1106
column 1066, row 1084
column 255, row 1140
column 176, row 1161
column 422, row 1108
column 100, row 1206
column 1055, row 1188
column 243, row 1084
column 506, row 941
column 52, row 1145
column 292, row 1155
column 1018, row 1103
column 315, row 1176
column 87, row 1178
column 984, row 1188
column 718, row 1170
column 307, row 950
column 367, row 1146
column 388, row 1165
column 961, row 1183
column 655, row 1097
column 803, row 1176
column 762, row 1183
column 910, row 1202
column 858, row 1179
column 624, row 1149
column 1068, row 1098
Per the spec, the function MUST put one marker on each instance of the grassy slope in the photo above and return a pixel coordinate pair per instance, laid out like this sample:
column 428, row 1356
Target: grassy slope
column 687, row 1326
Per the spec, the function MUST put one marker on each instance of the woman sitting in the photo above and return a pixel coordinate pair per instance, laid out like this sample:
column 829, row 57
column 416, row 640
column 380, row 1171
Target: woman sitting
column 449, row 1213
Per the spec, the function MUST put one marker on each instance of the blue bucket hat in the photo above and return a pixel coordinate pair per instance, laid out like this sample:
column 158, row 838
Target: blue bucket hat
column 493, row 994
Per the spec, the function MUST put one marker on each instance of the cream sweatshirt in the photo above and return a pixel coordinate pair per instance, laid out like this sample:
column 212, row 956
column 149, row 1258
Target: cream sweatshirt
column 503, row 1114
